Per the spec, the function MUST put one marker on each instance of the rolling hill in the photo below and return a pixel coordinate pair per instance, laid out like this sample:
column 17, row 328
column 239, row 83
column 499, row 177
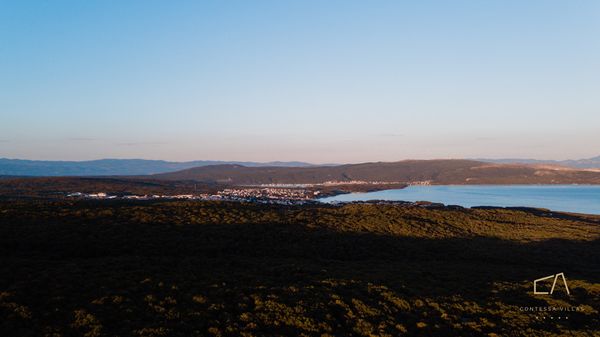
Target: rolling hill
column 147, row 269
column 448, row 171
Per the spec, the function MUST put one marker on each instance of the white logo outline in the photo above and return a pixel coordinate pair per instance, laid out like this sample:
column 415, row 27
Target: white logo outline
column 555, row 276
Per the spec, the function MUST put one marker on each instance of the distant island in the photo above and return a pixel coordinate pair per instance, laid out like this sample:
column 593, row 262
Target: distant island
column 443, row 171
column 574, row 163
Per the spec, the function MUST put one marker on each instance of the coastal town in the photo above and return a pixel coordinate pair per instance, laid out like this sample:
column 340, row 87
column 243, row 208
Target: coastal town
column 331, row 183
column 260, row 195
column 264, row 193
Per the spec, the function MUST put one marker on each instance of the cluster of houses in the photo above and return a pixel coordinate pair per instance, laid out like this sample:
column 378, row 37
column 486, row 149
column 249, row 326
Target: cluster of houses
column 358, row 182
column 329, row 183
column 262, row 195
column 102, row 195
column 269, row 193
column 419, row 183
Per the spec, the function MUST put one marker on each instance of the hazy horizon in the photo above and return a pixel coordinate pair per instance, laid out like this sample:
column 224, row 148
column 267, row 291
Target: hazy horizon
column 335, row 82
column 298, row 161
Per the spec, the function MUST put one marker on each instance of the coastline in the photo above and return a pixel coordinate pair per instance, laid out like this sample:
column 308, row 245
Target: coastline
column 581, row 199
column 348, row 189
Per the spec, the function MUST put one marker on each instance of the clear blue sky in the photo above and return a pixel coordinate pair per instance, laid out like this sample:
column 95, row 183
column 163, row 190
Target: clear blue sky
column 318, row 81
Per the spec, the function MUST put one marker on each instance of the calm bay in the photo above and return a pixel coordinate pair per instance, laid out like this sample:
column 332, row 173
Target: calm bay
column 567, row 198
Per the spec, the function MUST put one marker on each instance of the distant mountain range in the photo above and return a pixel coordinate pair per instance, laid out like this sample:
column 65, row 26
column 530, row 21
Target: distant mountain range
column 235, row 172
column 110, row 167
column 577, row 163
column 451, row 171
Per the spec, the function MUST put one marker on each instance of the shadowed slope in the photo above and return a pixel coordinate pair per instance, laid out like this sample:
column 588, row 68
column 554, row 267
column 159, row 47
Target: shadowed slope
column 210, row 268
